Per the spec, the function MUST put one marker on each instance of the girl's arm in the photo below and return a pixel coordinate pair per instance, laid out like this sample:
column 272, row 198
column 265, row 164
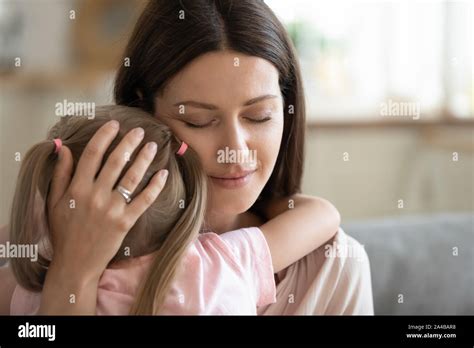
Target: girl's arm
column 298, row 225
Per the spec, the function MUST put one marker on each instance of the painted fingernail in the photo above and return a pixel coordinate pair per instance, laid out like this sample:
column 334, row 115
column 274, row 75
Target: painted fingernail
column 114, row 124
column 163, row 174
column 151, row 147
column 138, row 132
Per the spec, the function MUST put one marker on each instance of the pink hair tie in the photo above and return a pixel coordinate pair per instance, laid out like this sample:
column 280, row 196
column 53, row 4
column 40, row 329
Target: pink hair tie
column 58, row 143
column 182, row 149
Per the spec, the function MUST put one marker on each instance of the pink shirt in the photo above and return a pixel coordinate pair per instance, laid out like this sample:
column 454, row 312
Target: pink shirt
column 230, row 273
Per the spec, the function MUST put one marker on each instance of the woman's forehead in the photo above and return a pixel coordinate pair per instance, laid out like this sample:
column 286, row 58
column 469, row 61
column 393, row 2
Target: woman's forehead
column 223, row 78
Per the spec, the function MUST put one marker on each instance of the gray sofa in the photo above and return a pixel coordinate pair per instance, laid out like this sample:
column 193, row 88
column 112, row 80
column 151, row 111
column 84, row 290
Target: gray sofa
column 413, row 256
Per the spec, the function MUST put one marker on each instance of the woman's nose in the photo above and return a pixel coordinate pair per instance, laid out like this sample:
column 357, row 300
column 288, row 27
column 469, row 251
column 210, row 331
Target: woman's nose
column 235, row 135
column 235, row 138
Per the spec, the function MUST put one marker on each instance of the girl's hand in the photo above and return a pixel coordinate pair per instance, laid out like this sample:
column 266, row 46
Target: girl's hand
column 87, row 218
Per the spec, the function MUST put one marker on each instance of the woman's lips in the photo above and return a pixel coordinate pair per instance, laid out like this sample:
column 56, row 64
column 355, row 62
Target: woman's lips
column 234, row 182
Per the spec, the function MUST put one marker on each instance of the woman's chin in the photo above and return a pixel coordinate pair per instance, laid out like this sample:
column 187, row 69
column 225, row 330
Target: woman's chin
column 233, row 204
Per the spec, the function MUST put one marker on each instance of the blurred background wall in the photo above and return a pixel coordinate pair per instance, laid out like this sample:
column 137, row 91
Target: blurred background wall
column 358, row 59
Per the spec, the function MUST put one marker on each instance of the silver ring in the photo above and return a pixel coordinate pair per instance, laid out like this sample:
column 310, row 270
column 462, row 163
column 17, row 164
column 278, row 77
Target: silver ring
column 125, row 193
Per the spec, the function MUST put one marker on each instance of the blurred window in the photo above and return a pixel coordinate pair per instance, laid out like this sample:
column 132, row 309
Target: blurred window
column 359, row 56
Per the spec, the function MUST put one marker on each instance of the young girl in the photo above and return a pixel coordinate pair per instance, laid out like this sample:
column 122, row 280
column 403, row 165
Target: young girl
column 166, row 263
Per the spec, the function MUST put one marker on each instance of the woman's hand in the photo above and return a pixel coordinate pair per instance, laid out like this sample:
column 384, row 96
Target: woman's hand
column 88, row 219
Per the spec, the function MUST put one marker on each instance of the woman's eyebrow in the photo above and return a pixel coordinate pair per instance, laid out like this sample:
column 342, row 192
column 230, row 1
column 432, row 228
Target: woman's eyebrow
column 206, row 106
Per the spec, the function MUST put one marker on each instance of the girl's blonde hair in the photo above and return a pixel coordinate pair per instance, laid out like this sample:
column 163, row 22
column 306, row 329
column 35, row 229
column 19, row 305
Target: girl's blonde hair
column 168, row 226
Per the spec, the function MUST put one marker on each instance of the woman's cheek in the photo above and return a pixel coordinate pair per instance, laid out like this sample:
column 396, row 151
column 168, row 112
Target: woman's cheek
column 271, row 136
column 197, row 140
column 203, row 143
column 268, row 147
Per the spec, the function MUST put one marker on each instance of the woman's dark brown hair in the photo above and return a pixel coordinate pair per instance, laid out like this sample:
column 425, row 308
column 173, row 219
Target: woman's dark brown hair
column 171, row 33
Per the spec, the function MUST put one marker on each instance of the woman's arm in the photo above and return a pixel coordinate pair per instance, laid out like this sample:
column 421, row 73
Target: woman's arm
column 56, row 292
column 296, row 228
column 68, row 294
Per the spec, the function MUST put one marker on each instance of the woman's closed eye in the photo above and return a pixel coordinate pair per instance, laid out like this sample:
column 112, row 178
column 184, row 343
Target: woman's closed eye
column 259, row 117
column 204, row 125
column 197, row 125
column 259, row 120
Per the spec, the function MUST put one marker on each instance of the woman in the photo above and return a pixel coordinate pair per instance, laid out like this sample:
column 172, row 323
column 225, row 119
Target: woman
column 224, row 77
column 166, row 264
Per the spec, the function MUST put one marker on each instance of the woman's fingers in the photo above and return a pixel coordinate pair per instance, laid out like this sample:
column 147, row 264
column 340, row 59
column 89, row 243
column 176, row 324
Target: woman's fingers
column 135, row 173
column 61, row 176
column 146, row 198
column 118, row 158
column 91, row 158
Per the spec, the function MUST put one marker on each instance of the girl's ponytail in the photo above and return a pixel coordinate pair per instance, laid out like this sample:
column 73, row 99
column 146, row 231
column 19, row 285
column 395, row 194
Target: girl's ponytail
column 28, row 217
column 165, row 265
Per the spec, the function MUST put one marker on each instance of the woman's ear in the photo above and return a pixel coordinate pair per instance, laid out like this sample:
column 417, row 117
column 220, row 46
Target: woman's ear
column 140, row 94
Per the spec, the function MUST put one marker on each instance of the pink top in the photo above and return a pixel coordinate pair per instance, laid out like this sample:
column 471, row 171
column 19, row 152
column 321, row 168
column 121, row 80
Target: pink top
column 230, row 273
